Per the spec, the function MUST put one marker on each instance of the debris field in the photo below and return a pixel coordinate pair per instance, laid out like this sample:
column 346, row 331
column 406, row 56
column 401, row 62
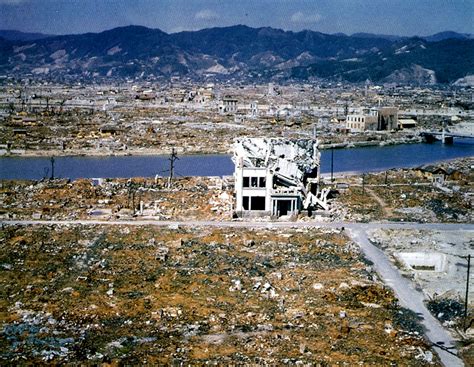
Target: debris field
column 409, row 195
column 187, row 198
column 144, row 294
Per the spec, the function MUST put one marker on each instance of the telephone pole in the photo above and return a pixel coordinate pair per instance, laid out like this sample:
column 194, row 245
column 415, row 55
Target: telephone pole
column 52, row 168
column 172, row 159
column 332, row 163
column 467, row 292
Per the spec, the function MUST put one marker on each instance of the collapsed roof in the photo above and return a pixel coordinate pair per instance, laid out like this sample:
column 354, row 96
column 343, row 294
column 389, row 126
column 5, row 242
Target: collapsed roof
column 294, row 164
column 291, row 159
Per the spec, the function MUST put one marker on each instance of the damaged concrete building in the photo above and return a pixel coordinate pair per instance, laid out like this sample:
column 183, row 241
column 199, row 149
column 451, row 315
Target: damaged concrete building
column 376, row 118
column 277, row 177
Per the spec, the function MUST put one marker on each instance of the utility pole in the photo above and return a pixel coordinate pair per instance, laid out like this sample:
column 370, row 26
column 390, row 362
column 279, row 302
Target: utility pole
column 133, row 202
column 131, row 195
column 332, row 163
column 52, row 168
column 172, row 159
column 386, row 178
column 467, row 291
column 363, row 183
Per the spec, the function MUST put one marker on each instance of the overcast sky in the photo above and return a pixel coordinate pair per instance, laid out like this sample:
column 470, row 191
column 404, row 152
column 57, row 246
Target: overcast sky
column 399, row 17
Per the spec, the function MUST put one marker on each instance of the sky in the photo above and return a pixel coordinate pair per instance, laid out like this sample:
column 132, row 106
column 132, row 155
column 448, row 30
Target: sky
column 397, row 17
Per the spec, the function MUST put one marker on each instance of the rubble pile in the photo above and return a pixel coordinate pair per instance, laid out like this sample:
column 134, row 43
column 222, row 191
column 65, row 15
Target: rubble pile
column 187, row 198
column 142, row 294
column 356, row 204
column 441, row 193
column 291, row 158
column 446, row 309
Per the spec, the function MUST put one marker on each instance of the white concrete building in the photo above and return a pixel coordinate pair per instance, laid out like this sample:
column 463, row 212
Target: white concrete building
column 254, row 111
column 228, row 105
column 276, row 177
column 377, row 118
column 361, row 122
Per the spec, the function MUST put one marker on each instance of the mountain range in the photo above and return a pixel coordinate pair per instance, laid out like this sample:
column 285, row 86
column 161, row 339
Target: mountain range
column 239, row 53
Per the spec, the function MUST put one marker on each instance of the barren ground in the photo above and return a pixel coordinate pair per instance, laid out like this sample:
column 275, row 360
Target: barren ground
column 138, row 295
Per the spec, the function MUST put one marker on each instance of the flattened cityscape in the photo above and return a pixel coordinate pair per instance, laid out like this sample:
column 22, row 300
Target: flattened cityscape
column 278, row 263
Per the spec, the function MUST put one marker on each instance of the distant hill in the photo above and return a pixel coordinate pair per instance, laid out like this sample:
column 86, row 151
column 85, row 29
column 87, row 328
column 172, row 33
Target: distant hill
column 12, row 35
column 239, row 52
column 441, row 36
column 412, row 61
column 384, row 36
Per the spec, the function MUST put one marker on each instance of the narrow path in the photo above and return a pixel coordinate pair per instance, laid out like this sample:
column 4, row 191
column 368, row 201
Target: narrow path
column 387, row 211
column 409, row 298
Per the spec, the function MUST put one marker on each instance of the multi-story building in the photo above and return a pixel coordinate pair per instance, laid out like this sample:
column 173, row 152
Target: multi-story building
column 228, row 105
column 276, row 177
column 377, row 118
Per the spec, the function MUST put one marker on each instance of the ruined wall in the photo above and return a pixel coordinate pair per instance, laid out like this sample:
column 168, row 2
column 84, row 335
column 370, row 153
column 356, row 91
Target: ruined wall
column 268, row 167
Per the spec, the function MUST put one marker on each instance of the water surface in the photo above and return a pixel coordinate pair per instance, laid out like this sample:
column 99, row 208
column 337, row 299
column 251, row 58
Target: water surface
column 364, row 159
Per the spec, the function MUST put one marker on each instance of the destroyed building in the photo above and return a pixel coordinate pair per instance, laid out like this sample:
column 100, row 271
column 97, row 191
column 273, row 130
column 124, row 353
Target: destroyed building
column 376, row 118
column 277, row 177
column 228, row 105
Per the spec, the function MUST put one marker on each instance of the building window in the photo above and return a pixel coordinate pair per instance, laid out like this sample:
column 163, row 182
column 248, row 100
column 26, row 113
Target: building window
column 261, row 182
column 245, row 202
column 257, row 203
column 254, row 181
column 246, row 182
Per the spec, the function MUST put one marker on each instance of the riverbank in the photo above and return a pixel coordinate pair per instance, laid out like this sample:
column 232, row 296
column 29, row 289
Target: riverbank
column 372, row 143
column 193, row 150
column 211, row 198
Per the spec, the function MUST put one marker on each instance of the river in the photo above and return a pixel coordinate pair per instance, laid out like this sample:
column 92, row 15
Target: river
column 367, row 159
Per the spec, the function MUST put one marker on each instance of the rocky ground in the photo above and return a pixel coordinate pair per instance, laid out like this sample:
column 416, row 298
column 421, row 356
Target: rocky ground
column 96, row 294
column 188, row 198
column 136, row 295
column 408, row 195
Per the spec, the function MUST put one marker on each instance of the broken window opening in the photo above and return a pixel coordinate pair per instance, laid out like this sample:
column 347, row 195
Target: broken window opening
column 283, row 207
column 245, row 202
column 254, row 181
column 261, row 182
column 257, row 203
column 246, row 182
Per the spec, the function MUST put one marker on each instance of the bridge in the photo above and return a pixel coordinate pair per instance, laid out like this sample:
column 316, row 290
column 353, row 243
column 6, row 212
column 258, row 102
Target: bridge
column 445, row 136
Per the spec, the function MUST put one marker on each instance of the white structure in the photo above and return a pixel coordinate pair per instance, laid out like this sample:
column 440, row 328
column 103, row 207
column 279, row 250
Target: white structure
column 377, row 118
column 361, row 122
column 254, row 112
column 276, row 176
column 228, row 105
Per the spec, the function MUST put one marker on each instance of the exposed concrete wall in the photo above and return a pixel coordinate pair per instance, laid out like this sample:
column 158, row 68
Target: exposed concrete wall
column 423, row 261
column 272, row 168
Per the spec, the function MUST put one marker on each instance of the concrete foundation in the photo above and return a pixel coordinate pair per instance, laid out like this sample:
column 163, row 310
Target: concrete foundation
column 423, row 261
